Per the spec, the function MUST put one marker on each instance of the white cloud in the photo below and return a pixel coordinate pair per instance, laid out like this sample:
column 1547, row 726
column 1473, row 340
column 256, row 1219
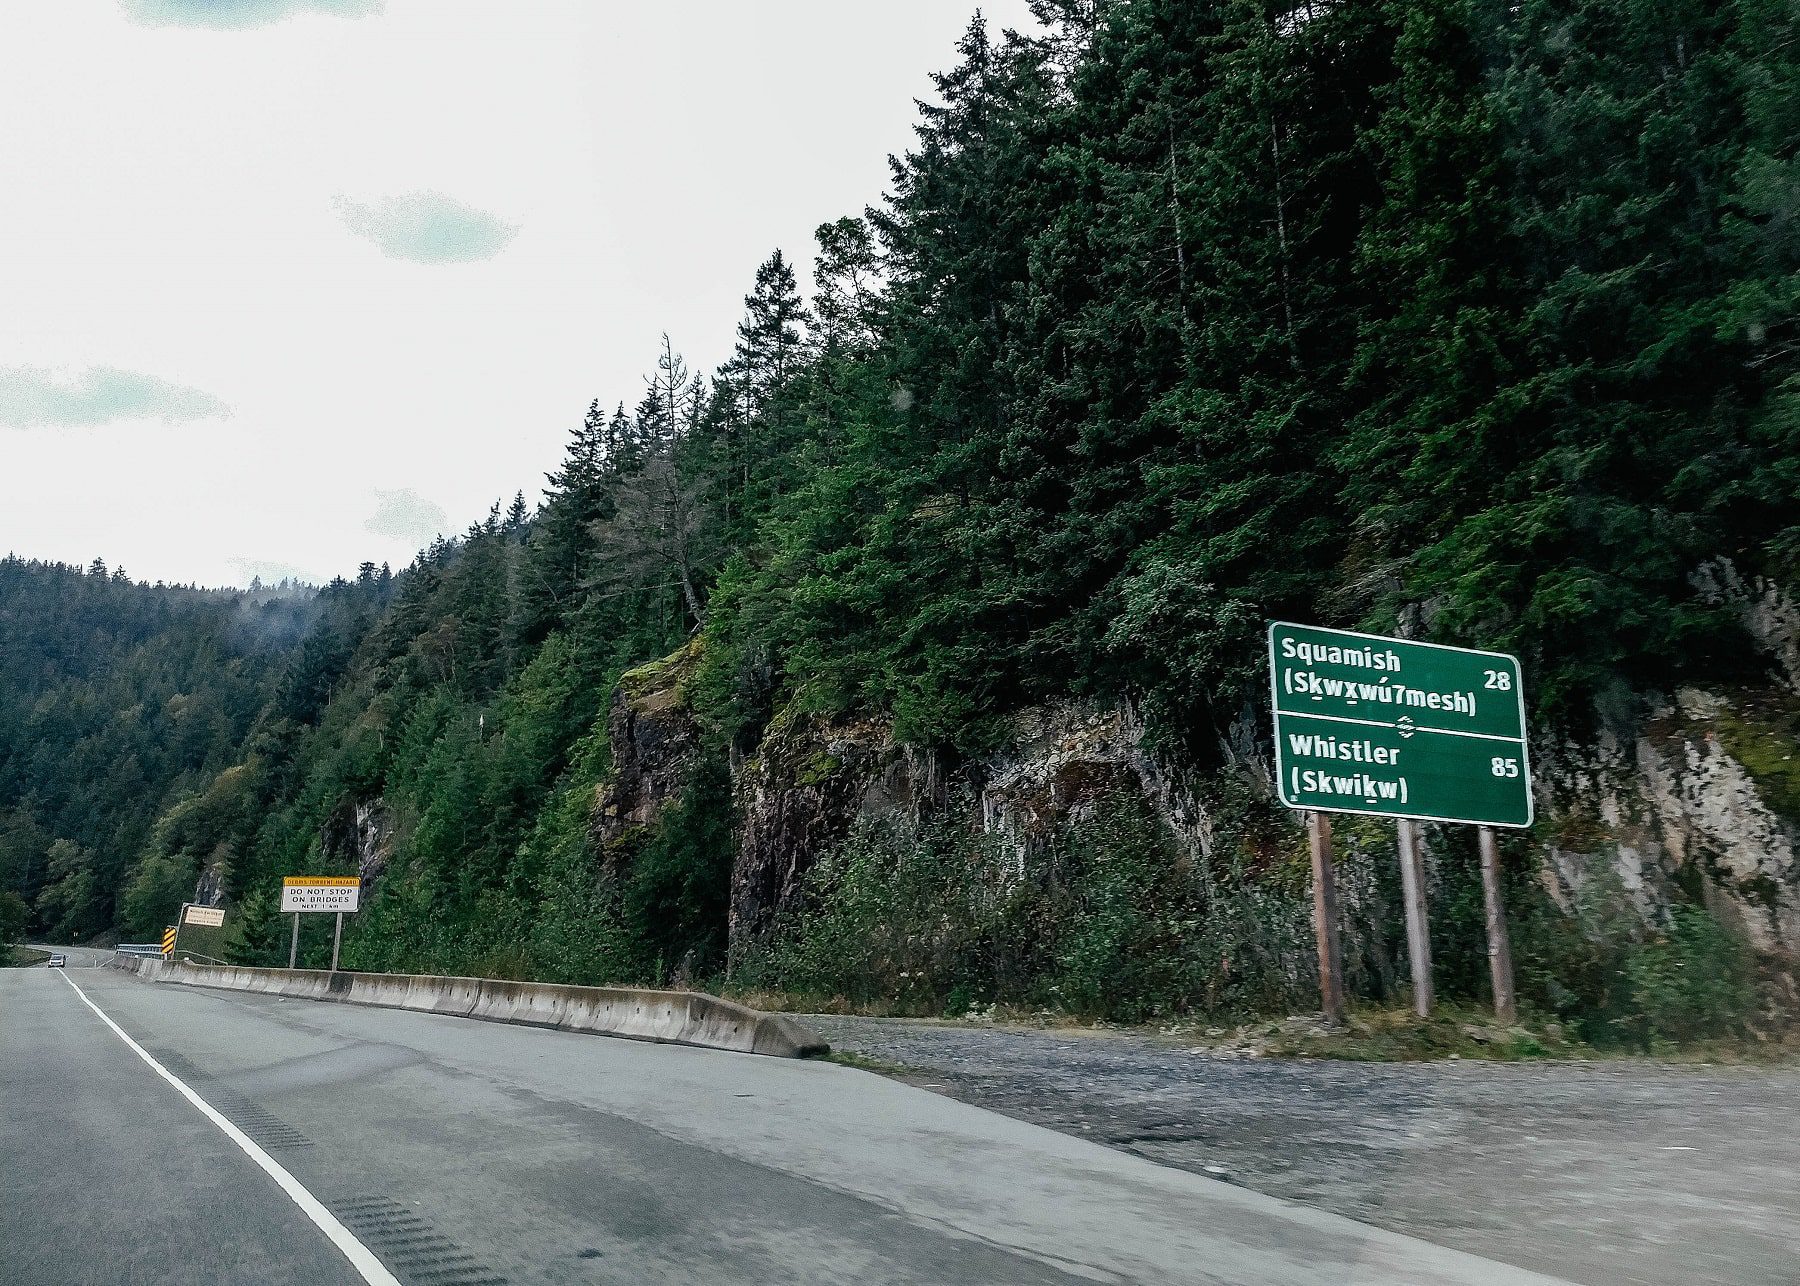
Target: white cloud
column 427, row 227
column 406, row 515
column 272, row 573
column 228, row 14
column 175, row 217
column 31, row 397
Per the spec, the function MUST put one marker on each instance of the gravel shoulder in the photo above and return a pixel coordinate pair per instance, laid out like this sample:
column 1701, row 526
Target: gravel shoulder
column 1602, row 1172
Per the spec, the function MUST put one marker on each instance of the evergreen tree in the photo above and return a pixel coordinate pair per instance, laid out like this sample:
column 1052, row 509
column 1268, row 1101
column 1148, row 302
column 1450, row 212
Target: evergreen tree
column 574, row 499
column 769, row 338
column 846, row 286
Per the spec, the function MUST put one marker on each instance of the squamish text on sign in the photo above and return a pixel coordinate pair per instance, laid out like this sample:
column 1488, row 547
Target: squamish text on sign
column 1419, row 732
column 339, row 893
column 1395, row 728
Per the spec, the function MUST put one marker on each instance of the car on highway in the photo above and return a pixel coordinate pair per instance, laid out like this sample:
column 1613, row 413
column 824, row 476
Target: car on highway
column 57, row 961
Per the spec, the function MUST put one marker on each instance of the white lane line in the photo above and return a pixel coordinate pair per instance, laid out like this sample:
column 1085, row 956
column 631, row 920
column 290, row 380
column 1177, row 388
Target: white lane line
column 359, row 1255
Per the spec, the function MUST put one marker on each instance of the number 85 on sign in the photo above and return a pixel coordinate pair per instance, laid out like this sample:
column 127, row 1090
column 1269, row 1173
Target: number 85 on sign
column 1395, row 728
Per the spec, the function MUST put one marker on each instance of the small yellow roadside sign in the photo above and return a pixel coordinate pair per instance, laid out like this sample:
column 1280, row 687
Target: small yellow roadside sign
column 168, row 941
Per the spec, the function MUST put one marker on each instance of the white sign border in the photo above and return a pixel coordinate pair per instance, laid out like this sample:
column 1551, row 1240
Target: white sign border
column 354, row 890
column 1275, row 712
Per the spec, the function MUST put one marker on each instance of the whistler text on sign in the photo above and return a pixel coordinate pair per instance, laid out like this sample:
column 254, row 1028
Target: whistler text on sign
column 1390, row 727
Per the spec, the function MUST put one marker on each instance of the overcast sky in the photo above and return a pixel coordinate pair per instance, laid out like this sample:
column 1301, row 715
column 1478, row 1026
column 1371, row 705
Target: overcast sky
column 291, row 284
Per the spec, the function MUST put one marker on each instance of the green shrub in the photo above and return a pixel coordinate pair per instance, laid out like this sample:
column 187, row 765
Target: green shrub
column 1616, row 983
column 1572, row 965
column 902, row 917
column 677, row 883
column 1107, row 920
column 1128, row 941
column 1694, row 982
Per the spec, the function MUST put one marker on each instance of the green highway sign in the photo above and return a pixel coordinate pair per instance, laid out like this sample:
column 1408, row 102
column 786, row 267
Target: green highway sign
column 1393, row 728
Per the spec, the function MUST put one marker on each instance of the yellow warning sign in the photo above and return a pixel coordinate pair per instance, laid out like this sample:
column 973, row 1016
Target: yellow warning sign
column 169, row 941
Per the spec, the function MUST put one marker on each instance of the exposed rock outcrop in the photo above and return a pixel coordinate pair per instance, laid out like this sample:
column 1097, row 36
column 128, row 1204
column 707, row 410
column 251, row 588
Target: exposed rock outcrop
column 798, row 796
column 654, row 740
column 209, row 887
column 360, row 831
column 1063, row 760
column 1770, row 615
column 1697, row 805
column 1702, row 803
column 812, row 779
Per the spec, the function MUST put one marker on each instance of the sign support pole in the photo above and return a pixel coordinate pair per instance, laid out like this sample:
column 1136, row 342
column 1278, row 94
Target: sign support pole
column 294, row 942
column 1506, row 1008
column 1325, row 918
column 1418, row 931
column 337, row 936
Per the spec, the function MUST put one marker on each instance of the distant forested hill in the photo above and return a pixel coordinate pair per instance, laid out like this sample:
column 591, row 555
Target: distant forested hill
column 116, row 698
column 1467, row 319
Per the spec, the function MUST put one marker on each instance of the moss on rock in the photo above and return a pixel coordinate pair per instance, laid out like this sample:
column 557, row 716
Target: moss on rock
column 1765, row 738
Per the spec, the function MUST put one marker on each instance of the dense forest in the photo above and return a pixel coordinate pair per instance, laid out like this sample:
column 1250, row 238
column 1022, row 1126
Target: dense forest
column 1462, row 319
column 117, row 700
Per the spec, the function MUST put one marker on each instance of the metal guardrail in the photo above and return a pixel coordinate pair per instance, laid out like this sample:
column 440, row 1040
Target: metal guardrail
column 155, row 949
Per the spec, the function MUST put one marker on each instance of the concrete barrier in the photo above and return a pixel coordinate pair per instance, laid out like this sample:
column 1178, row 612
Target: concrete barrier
column 670, row 1017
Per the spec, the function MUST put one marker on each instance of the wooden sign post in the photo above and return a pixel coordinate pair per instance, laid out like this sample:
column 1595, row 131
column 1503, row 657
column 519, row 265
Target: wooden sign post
column 1506, row 1006
column 1418, row 929
column 1325, row 918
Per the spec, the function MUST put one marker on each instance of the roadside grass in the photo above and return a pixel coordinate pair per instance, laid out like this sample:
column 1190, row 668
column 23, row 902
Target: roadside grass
column 1393, row 1035
column 25, row 957
column 1453, row 1032
column 789, row 1002
column 864, row 1063
column 1372, row 1034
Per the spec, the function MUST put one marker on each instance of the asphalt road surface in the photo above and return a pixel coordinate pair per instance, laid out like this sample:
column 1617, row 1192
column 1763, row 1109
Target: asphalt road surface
column 77, row 957
column 1614, row 1172
column 292, row 1141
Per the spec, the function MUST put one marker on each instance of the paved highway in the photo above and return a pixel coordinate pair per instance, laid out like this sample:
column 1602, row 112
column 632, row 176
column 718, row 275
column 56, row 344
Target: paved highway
column 451, row 1152
column 76, row 957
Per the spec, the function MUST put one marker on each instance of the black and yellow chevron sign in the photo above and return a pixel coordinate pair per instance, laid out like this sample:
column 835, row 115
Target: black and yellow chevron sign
column 168, row 940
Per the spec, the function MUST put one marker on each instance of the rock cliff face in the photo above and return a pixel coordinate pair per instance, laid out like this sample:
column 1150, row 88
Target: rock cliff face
column 209, row 887
column 654, row 739
column 811, row 780
column 1063, row 760
column 798, row 796
column 1702, row 803
column 363, row 832
column 1769, row 614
